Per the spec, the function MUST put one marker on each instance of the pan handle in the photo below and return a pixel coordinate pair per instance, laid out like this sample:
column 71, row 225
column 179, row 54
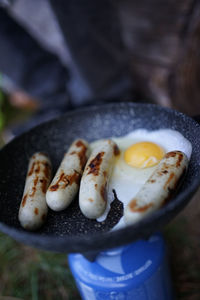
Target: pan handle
column 197, row 118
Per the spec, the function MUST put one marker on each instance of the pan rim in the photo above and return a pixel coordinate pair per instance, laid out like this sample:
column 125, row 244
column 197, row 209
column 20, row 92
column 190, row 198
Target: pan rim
column 85, row 239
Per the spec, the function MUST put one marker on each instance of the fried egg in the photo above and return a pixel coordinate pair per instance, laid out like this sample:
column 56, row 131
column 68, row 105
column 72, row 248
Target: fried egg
column 140, row 152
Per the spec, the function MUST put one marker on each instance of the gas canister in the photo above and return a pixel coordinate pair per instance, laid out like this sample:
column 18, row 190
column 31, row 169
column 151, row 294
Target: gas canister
column 137, row 271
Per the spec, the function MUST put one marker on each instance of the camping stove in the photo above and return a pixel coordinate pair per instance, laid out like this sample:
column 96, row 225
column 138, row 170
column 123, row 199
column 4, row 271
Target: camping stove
column 137, row 271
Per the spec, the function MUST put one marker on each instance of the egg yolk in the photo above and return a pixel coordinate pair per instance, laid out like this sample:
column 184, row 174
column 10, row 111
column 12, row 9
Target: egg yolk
column 143, row 155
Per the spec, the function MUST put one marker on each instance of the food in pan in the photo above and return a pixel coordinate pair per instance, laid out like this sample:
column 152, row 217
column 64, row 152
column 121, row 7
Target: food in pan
column 93, row 187
column 158, row 188
column 33, row 208
column 140, row 169
column 65, row 184
column 133, row 168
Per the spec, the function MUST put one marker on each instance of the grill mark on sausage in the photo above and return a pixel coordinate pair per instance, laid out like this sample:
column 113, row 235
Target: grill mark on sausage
column 116, row 150
column 180, row 158
column 67, row 180
column 24, row 200
column 134, row 208
column 79, row 143
column 47, row 170
column 171, row 154
column 44, row 185
column 82, row 153
column 54, row 187
column 164, row 171
column 152, row 180
column 34, row 186
column 36, row 211
column 31, row 169
column 103, row 191
column 91, row 200
column 63, row 178
column 95, row 164
column 35, row 181
column 169, row 180
column 37, row 170
column 75, row 177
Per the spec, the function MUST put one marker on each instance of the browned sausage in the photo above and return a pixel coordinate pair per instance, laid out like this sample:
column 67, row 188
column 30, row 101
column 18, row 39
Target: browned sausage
column 158, row 188
column 33, row 207
column 65, row 184
column 93, row 188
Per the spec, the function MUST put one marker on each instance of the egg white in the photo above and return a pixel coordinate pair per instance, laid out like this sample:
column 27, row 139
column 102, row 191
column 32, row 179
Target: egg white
column 127, row 180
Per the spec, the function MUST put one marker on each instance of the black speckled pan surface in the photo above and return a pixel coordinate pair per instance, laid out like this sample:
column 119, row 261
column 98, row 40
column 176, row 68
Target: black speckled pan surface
column 70, row 231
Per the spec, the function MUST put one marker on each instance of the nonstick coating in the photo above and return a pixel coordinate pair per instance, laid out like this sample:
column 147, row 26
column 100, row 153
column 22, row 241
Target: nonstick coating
column 70, row 231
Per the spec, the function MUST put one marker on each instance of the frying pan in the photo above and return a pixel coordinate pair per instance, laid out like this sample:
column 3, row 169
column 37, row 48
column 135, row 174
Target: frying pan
column 69, row 231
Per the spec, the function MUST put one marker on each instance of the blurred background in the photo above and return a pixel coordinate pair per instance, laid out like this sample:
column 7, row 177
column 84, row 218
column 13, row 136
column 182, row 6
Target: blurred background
column 56, row 56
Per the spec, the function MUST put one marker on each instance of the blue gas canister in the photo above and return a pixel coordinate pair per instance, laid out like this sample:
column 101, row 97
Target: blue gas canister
column 138, row 271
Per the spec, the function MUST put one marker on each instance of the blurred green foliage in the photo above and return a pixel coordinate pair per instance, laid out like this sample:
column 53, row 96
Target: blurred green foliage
column 31, row 274
column 10, row 116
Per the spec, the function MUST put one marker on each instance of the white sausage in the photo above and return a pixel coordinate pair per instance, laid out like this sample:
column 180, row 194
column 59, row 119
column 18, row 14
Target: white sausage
column 93, row 194
column 65, row 184
column 158, row 188
column 33, row 208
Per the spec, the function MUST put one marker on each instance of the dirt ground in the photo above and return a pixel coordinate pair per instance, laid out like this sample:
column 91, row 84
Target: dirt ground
column 183, row 238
